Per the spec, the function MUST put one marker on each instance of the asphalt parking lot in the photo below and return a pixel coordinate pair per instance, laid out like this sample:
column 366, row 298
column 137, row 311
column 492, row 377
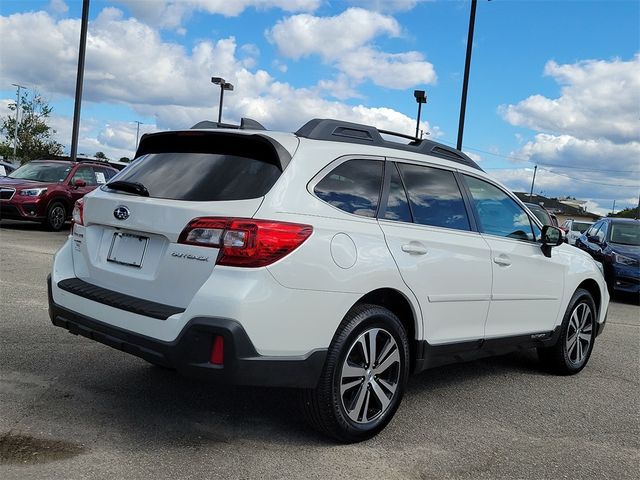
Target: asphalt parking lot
column 72, row 408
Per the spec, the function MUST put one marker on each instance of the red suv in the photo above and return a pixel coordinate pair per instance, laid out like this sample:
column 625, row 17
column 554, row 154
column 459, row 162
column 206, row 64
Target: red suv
column 45, row 190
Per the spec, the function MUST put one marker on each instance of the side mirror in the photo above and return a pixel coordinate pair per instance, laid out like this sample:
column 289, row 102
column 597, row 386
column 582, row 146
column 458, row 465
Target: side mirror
column 551, row 237
column 79, row 183
column 593, row 239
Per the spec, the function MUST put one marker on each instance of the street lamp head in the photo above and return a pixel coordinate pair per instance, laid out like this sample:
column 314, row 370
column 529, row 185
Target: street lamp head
column 227, row 86
column 421, row 96
column 217, row 80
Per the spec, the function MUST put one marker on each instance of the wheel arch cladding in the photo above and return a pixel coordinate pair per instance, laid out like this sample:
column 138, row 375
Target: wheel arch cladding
column 398, row 304
column 593, row 288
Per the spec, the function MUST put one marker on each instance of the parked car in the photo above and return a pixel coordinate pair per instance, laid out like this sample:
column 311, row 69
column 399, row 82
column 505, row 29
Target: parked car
column 573, row 229
column 545, row 217
column 330, row 259
column 6, row 168
column 616, row 243
column 46, row 190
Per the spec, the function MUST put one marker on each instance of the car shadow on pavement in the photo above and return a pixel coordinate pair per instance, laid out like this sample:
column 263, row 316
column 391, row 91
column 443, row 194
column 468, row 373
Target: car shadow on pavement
column 139, row 404
column 30, row 226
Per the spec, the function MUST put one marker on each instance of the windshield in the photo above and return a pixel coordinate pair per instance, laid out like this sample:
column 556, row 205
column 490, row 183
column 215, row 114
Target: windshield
column 625, row 233
column 42, row 172
column 581, row 226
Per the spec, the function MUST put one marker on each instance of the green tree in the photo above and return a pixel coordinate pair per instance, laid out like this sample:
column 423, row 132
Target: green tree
column 101, row 156
column 34, row 133
column 125, row 159
column 625, row 213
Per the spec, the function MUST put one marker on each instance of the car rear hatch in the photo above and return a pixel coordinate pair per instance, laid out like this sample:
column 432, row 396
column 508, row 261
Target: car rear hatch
column 128, row 242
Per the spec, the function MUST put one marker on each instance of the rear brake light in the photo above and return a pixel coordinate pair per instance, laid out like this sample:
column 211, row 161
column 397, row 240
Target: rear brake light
column 77, row 217
column 244, row 242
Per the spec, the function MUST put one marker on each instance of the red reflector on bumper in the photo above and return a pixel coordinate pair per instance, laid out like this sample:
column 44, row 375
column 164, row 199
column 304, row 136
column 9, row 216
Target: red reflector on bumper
column 217, row 350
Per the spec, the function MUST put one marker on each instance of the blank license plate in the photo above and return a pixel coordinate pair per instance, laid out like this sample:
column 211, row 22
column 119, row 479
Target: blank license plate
column 127, row 249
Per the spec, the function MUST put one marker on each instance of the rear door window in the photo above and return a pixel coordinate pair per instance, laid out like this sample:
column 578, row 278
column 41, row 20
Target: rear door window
column 353, row 186
column 434, row 196
column 397, row 203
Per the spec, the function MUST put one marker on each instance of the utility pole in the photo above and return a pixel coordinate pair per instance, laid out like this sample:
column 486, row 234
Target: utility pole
column 533, row 181
column 613, row 209
column 467, row 67
column 638, row 209
column 79, row 79
column 15, row 133
column 138, row 132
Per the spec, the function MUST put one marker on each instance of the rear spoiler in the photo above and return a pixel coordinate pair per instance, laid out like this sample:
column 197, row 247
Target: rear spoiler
column 230, row 143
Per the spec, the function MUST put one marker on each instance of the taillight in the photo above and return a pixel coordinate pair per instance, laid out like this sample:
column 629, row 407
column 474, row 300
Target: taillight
column 244, row 242
column 77, row 217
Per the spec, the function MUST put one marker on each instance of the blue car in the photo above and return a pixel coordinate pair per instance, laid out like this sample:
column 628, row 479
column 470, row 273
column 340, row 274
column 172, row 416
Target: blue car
column 615, row 242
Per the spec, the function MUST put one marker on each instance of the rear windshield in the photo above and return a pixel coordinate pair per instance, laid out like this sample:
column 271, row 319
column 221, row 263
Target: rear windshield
column 201, row 177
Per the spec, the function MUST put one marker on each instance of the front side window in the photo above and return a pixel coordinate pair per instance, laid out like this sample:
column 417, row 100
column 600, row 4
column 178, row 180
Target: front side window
column 434, row 197
column 498, row 213
column 593, row 229
column 602, row 233
column 353, row 186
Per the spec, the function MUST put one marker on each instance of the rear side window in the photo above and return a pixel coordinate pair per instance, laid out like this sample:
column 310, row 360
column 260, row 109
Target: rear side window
column 435, row 197
column 353, row 186
column 202, row 177
column 397, row 203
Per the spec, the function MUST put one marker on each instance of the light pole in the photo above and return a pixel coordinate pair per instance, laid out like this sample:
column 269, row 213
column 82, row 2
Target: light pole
column 421, row 98
column 15, row 133
column 467, row 67
column 79, row 79
column 224, row 85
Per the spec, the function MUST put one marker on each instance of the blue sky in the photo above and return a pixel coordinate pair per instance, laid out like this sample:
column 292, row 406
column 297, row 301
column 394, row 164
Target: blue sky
column 553, row 83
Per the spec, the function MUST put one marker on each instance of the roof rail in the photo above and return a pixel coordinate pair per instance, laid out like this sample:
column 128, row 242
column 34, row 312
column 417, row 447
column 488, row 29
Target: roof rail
column 340, row 131
column 245, row 124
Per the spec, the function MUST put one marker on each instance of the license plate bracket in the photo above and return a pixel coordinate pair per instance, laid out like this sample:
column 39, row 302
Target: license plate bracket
column 127, row 249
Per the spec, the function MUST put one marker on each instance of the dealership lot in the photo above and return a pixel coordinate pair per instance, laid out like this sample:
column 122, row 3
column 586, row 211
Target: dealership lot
column 72, row 408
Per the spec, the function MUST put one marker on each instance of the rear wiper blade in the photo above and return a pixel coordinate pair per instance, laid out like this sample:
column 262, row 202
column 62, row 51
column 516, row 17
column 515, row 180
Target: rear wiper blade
column 129, row 187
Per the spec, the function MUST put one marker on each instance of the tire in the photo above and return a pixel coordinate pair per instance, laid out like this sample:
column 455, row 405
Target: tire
column 355, row 399
column 571, row 352
column 56, row 216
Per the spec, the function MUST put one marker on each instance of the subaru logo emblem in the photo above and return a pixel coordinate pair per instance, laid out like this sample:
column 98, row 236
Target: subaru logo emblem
column 121, row 212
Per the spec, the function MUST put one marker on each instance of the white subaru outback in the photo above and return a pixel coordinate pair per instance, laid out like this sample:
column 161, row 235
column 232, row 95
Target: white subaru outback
column 331, row 259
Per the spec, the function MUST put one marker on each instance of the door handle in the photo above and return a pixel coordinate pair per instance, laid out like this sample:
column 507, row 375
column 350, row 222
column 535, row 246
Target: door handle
column 502, row 261
column 414, row 248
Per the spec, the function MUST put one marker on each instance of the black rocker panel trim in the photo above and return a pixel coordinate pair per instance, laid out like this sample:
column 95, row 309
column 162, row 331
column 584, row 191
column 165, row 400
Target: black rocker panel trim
column 118, row 300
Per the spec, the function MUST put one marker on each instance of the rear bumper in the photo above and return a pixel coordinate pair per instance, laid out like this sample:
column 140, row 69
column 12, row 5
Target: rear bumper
column 189, row 353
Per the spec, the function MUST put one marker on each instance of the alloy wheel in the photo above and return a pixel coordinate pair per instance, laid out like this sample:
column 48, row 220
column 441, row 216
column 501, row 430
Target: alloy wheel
column 370, row 375
column 579, row 333
column 56, row 217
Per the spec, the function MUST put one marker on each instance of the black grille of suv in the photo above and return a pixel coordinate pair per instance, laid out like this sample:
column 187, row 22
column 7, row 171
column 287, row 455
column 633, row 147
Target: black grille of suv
column 7, row 193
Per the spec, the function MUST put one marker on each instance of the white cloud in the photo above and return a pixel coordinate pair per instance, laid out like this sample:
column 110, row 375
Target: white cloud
column 599, row 99
column 172, row 13
column 330, row 37
column 128, row 63
column 588, row 139
column 58, row 7
column 387, row 5
column 344, row 41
